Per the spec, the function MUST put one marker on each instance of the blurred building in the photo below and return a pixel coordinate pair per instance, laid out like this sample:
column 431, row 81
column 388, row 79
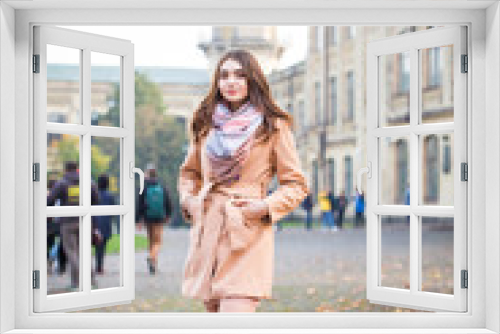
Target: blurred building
column 332, row 134
column 262, row 41
column 329, row 110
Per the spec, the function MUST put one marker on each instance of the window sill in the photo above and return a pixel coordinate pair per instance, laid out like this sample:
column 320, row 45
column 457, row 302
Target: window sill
column 253, row 331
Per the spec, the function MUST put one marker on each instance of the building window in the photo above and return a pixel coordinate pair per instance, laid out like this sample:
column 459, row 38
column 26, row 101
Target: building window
column 431, row 171
column 331, row 174
column 434, row 75
column 319, row 38
column 402, row 161
column 348, row 176
column 404, row 72
column 333, row 100
column 317, row 102
column 446, row 155
column 315, row 179
column 332, row 35
column 350, row 32
column 350, row 96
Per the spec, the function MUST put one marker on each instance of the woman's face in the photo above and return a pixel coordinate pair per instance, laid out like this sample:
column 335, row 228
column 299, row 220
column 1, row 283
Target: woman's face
column 232, row 82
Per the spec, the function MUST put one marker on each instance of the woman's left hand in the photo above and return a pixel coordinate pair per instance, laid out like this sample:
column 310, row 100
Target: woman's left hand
column 253, row 209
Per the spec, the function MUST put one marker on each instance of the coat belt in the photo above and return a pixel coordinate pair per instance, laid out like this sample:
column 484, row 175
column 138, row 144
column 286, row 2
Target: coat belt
column 241, row 231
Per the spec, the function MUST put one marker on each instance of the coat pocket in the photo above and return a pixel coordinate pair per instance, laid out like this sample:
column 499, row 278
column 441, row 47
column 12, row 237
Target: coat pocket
column 242, row 232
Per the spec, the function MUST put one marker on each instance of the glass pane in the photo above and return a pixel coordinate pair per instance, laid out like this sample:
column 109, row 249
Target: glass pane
column 437, row 84
column 394, row 89
column 437, row 169
column 106, row 169
column 63, row 262
column 63, row 85
column 437, row 254
column 106, row 251
column 395, row 251
column 63, row 179
column 105, row 89
column 394, row 171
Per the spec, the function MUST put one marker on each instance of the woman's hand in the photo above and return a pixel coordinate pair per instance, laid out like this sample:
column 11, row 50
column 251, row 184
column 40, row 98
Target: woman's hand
column 189, row 205
column 253, row 209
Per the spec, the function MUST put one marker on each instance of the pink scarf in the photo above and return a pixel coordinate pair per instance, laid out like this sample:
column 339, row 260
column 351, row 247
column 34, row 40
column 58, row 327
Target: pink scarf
column 230, row 140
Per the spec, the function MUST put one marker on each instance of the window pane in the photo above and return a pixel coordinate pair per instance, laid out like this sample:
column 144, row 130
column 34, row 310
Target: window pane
column 105, row 89
column 333, row 100
column 63, row 85
column 106, row 169
column 63, row 179
column 63, row 262
column 394, row 171
column 437, row 169
column 395, row 251
column 437, row 84
column 394, row 89
column 348, row 186
column 350, row 96
column 437, row 254
column 106, row 251
column 317, row 102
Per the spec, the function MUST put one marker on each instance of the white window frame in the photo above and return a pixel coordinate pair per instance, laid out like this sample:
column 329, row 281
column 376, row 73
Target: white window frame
column 483, row 211
column 377, row 132
column 123, row 50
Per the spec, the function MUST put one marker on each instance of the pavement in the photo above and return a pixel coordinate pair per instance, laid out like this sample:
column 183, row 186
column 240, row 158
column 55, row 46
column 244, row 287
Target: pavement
column 315, row 271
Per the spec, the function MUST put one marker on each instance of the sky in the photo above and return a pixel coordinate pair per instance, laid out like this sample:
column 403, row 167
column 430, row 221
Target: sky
column 176, row 46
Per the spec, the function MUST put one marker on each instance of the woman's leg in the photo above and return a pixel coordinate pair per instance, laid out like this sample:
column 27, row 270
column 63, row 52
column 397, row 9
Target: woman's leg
column 212, row 305
column 238, row 304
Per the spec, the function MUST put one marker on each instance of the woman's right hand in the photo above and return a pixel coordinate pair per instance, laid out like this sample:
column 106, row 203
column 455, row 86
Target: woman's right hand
column 189, row 206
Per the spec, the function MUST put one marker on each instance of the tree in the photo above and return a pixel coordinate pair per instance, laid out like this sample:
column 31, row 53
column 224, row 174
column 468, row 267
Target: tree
column 159, row 137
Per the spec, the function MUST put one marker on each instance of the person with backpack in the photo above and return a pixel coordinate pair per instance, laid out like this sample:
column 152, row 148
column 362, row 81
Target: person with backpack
column 66, row 192
column 154, row 211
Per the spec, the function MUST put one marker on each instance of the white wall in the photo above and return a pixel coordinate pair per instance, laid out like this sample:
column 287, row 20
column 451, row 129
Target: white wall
column 7, row 160
column 492, row 150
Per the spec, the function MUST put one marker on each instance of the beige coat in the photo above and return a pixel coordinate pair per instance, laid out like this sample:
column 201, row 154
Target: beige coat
column 229, row 255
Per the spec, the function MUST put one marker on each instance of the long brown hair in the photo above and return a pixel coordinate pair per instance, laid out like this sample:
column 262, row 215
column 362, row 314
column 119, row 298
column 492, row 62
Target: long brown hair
column 259, row 95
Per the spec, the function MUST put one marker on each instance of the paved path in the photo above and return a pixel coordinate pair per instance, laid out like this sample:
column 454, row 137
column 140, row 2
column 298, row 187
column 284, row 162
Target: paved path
column 314, row 271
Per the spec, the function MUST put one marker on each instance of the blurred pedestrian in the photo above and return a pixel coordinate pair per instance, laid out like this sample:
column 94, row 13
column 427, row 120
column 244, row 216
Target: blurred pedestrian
column 307, row 205
column 103, row 223
column 67, row 191
column 360, row 209
column 341, row 209
column 326, row 211
column 155, row 210
column 331, row 198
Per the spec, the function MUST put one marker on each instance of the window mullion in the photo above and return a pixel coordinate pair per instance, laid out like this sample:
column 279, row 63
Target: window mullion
column 85, row 174
column 415, row 248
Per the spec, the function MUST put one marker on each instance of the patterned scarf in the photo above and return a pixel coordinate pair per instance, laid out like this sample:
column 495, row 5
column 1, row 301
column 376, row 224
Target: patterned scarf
column 230, row 140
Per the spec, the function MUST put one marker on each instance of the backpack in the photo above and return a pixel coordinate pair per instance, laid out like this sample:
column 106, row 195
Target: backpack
column 154, row 202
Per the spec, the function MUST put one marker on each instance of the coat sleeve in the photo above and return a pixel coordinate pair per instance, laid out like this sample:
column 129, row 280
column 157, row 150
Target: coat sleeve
column 292, row 182
column 190, row 176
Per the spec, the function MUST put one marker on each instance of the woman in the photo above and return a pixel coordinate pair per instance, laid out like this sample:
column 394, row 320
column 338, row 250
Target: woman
column 240, row 140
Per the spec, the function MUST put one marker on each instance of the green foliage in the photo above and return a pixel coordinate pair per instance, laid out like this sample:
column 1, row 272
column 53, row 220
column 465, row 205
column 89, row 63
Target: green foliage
column 68, row 150
column 159, row 137
column 113, row 244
